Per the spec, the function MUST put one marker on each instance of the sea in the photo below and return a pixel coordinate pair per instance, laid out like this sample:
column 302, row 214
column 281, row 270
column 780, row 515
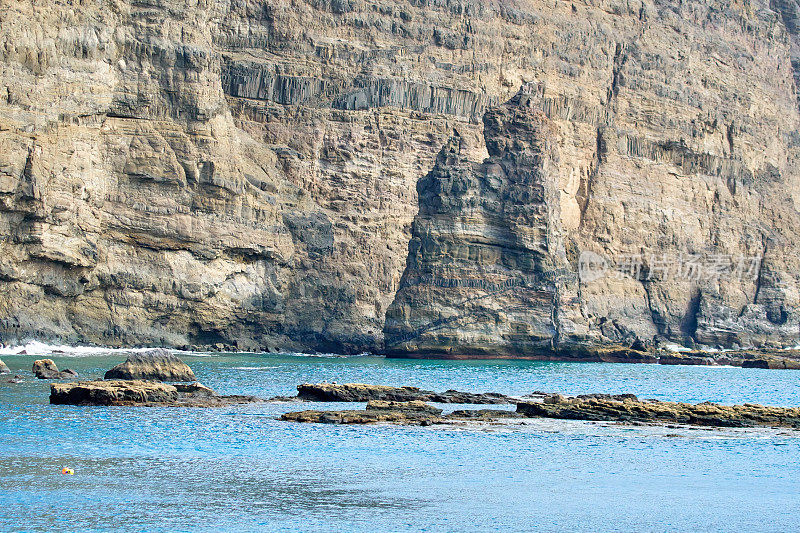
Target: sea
column 241, row 468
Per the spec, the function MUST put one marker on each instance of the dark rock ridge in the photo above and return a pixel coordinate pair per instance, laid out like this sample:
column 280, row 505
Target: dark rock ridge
column 359, row 392
column 47, row 369
column 631, row 409
column 776, row 360
column 142, row 393
column 243, row 175
column 158, row 364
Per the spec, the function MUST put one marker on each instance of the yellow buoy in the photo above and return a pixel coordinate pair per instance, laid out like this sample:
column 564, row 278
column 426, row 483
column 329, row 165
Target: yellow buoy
column 67, row 471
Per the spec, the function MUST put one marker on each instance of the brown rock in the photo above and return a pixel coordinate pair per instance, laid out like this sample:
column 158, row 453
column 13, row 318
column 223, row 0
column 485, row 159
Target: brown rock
column 158, row 364
column 4, row 368
column 360, row 392
column 412, row 408
column 775, row 363
column 47, row 369
column 112, row 393
column 245, row 174
column 632, row 410
column 144, row 393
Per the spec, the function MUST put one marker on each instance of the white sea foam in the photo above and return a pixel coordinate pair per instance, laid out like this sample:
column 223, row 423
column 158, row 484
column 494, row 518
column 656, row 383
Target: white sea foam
column 63, row 350
column 677, row 348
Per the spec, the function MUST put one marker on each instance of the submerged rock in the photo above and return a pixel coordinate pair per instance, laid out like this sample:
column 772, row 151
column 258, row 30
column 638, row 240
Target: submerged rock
column 360, row 392
column 158, row 364
column 4, row 368
column 634, row 410
column 137, row 392
column 47, row 369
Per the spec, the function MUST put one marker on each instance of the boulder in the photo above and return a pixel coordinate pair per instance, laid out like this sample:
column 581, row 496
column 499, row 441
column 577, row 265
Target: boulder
column 411, row 408
column 158, row 364
column 47, row 369
column 4, row 368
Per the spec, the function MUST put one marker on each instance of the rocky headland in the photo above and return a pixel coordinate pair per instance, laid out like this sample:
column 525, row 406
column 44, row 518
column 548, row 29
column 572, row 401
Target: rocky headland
column 415, row 178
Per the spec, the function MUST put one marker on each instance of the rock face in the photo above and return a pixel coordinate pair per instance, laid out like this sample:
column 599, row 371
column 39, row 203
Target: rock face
column 158, row 364
column 4, row 368
column 360, row 392
column 47, row 369
column 494, row 270
column 245, row 175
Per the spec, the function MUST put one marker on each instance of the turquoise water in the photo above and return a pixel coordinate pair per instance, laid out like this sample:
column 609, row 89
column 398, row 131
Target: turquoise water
column 241, row 469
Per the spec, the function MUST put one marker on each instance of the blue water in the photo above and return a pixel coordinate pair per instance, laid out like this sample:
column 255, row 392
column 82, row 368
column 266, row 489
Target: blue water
column 241, row 469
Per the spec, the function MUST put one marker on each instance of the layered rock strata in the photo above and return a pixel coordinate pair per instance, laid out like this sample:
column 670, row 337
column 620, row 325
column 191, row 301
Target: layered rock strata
column 243, row 175
column 617, row 408
column 631, row 410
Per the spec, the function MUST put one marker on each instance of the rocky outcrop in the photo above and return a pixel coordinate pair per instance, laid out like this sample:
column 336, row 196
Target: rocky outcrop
column 775, row 363
column 244, row 175
column 112, row 393
column 360, row 392
column 632, row 410
column 144, row 393
column 158, row 364
column 411, row 412
column 4, row 368
column 618, row 408
column 47, row 369
column 770, row 359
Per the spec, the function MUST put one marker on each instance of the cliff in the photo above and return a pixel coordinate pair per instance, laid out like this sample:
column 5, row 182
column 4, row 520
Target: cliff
column 246, row 174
